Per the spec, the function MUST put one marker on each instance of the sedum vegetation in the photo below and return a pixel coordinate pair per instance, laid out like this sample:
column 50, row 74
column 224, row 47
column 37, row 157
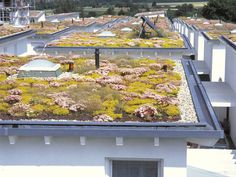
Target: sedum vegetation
column 164, row 38
column 8, row 30
column 88, row 40
column 214, row 28
column 122, row 89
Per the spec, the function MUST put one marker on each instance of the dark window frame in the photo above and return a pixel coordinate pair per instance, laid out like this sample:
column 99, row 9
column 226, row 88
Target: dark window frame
column 160, row 164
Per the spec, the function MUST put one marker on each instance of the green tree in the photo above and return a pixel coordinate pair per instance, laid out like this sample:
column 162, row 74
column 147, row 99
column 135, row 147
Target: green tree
column 185, row 10
column 154, row 4
column 220, row 9
column 92, row 14
column 121, row 12
column 110, row 11
column 133, row 9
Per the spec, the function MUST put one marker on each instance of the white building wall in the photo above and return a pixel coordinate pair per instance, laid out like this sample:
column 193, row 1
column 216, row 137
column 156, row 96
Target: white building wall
column 220, row 113
column 67, row 157
column 42, row 18
column 179, row 26
column 218, row 62
column 182, row 29
column 191, row 37
column 186, row 31
column 230, row 75
column 208, row 54
column 232, row 120
column 200, row 47
column 196, row 33
column 14, row 47
column 175, row 24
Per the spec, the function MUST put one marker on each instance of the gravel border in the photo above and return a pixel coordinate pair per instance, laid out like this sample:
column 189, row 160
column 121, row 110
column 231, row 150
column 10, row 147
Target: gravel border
column 186, row 106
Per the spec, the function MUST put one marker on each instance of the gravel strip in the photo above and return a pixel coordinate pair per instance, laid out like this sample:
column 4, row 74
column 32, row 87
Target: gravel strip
column 188, row 113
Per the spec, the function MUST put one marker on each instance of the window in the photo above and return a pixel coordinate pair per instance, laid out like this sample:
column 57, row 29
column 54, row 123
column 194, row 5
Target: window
column 135, row 169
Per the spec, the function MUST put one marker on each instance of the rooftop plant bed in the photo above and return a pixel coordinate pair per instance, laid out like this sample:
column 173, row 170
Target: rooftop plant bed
column 122, row 89
column 47, row 27
column 106, row 18
column 214, row 28
column 50, row 27
column 91, row 40
column 78, row 22
column 231, row 37
column 6, row 30
column 163, row 39
column 161, row 23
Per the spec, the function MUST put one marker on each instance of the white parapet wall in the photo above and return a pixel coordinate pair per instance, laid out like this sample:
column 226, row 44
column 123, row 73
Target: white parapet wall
column 218, row 62
column 14, row 47
column 20, row 46
column 186, row 30
column 182, row 29
column 32, row 156
column 214, row 57
column 196, row 33
column 200, row 47
column 230, row 78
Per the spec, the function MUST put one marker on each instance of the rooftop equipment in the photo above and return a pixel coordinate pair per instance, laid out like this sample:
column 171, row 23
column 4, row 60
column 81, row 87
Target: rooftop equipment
column 143, row 31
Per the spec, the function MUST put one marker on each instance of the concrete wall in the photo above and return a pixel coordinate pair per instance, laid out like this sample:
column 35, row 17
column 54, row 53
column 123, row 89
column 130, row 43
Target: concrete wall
column 208, row 53
column 14, row 47
column 191, row 37
column 200, row 47
column 220, row 113
column 218, row 62
column 186, row 31
column 42, row 18
column 21, row 47
column 230, row 73
column 67, row 157
column 214, row 56
column 196, row 33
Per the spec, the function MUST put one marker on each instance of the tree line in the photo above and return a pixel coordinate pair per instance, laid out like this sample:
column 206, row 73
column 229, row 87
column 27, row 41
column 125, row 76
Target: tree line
column 220, row 9
column 215, row 9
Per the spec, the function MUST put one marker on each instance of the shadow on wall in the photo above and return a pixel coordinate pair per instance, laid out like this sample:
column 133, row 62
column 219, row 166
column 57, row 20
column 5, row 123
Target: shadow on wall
column 69, row 152
column 198, row 172
column 234, row 155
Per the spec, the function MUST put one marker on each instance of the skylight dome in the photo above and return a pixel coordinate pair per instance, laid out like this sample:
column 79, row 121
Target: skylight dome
column 126, row 29
column 40, row 64
column 106, row 34
column 218, row 24
column 40, row 68
column 233, row 31
column 55, row 21
column 206, row 23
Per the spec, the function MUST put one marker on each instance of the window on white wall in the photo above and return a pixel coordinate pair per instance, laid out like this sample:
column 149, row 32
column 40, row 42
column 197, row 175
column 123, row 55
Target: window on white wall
column 135, row 169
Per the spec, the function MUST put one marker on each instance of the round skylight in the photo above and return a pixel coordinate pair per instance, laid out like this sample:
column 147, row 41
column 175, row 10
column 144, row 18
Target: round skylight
column 106, row 34
column 126, row 29
column 218, row 24
column 40, row 63
column 233, row 31
column 55, row 21
column 206, row 23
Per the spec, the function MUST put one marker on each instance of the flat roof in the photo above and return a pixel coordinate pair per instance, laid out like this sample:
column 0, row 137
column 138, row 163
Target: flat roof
column 201, row 67
column 213, row 28
column 130, row 39
column 220, row 94
column 211, row 162
column 206, row 127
